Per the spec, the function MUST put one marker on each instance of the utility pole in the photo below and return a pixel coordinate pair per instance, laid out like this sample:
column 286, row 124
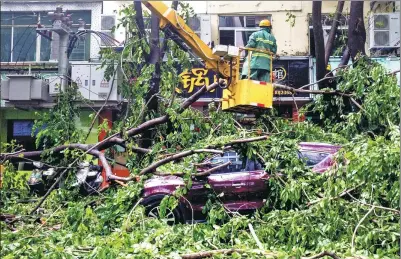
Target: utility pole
column 61, row 26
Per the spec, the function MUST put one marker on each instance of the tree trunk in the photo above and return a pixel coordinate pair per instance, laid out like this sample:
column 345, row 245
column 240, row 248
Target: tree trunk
column 154, row 58
column 332, row 35
column 319, row 41
column 139, row 18
column 345, row 57
column 356, row 30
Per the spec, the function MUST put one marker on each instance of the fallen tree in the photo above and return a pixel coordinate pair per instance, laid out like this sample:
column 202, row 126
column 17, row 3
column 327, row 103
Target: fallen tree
column 304, row 213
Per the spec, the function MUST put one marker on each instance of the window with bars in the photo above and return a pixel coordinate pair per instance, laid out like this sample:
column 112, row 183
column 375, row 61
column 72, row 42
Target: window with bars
column 20, row 42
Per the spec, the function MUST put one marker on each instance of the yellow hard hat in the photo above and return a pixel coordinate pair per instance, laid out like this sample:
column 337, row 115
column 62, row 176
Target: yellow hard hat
column 265, row 23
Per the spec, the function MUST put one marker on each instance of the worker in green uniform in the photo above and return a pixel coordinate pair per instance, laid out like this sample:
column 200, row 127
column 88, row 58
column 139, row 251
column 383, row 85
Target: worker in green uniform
column 260, row 62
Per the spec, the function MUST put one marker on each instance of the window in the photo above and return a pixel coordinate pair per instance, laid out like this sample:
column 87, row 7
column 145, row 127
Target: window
column 312, row 158
column 21, row 132
column 340, row 36
column 20, row 42
column 235, row 30
column 82, row 48
column 237, row 164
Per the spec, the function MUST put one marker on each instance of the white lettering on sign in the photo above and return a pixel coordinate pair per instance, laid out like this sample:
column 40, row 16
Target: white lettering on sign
column 279, row 73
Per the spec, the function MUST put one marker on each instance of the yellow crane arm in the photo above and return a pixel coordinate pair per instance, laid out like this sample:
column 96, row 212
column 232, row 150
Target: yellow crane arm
column 170, row 21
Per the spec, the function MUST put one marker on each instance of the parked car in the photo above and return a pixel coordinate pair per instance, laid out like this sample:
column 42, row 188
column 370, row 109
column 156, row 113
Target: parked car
column 242, row 182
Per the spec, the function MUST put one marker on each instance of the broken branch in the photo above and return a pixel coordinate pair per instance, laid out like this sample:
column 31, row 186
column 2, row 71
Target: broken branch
column 211, row 170
column 357, row 226
column 371, row 205
column 21, row 155
column 116, row 138
column 176, row 157
column 358, row 105
column 246, row 140
column 342, row 194
column 322, row 254
column 206, row 254
column 329, row 92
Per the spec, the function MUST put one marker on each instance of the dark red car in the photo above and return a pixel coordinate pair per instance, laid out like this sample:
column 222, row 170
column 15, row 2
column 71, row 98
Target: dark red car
column 241, row 186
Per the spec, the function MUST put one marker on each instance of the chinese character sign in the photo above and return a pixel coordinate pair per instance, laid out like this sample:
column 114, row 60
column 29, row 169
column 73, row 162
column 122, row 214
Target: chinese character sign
column 279, row 73
column 192, row 80
column 197, row 77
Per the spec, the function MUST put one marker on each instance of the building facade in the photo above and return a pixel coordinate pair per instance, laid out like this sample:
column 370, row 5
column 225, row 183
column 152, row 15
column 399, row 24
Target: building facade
column 231, row 23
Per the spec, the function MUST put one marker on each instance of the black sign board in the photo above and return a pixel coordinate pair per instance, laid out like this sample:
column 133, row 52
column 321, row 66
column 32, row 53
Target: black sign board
column 294, row 73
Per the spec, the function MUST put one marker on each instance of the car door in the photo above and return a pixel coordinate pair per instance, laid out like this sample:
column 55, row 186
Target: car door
column 231, row 183
column 257, row 183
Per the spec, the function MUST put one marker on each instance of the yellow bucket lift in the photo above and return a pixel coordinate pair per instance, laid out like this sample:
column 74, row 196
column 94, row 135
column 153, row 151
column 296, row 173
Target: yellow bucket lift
column 246, row 95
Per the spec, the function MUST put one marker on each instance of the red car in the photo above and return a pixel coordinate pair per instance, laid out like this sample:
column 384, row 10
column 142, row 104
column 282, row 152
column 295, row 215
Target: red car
column 241, row 185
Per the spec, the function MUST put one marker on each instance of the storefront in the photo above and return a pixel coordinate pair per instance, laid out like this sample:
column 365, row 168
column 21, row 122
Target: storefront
column 290, row 71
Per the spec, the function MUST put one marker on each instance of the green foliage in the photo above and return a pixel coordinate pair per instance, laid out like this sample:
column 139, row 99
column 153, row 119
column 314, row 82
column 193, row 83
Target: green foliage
column 304, row 213
column 374, row 90
column 14, row 183
column 58, row 126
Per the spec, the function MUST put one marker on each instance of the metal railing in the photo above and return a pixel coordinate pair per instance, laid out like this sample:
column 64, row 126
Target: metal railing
column 250, row 51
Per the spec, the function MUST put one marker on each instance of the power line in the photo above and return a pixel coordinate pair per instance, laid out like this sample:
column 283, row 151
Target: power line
column 11, row 19
column 15, row 45
column 34, row 40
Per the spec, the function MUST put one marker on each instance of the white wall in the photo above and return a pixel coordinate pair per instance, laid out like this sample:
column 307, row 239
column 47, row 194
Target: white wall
column 291, row 40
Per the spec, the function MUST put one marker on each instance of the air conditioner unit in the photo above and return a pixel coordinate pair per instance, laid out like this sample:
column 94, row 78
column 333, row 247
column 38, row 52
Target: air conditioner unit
column 385, row 30
column 201, row 25
column 107, row 23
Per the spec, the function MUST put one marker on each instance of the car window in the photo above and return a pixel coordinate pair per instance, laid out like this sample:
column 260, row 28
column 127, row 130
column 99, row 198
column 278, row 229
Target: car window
column 312, row 158
column 237, row 164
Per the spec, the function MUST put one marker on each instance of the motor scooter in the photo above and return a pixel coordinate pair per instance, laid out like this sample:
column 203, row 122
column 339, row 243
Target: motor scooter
column 42, row 177
column 89, row 178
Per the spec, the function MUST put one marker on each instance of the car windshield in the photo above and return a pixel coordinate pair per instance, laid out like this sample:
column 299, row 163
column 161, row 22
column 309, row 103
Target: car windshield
column 237, row 164
column 312, row 158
